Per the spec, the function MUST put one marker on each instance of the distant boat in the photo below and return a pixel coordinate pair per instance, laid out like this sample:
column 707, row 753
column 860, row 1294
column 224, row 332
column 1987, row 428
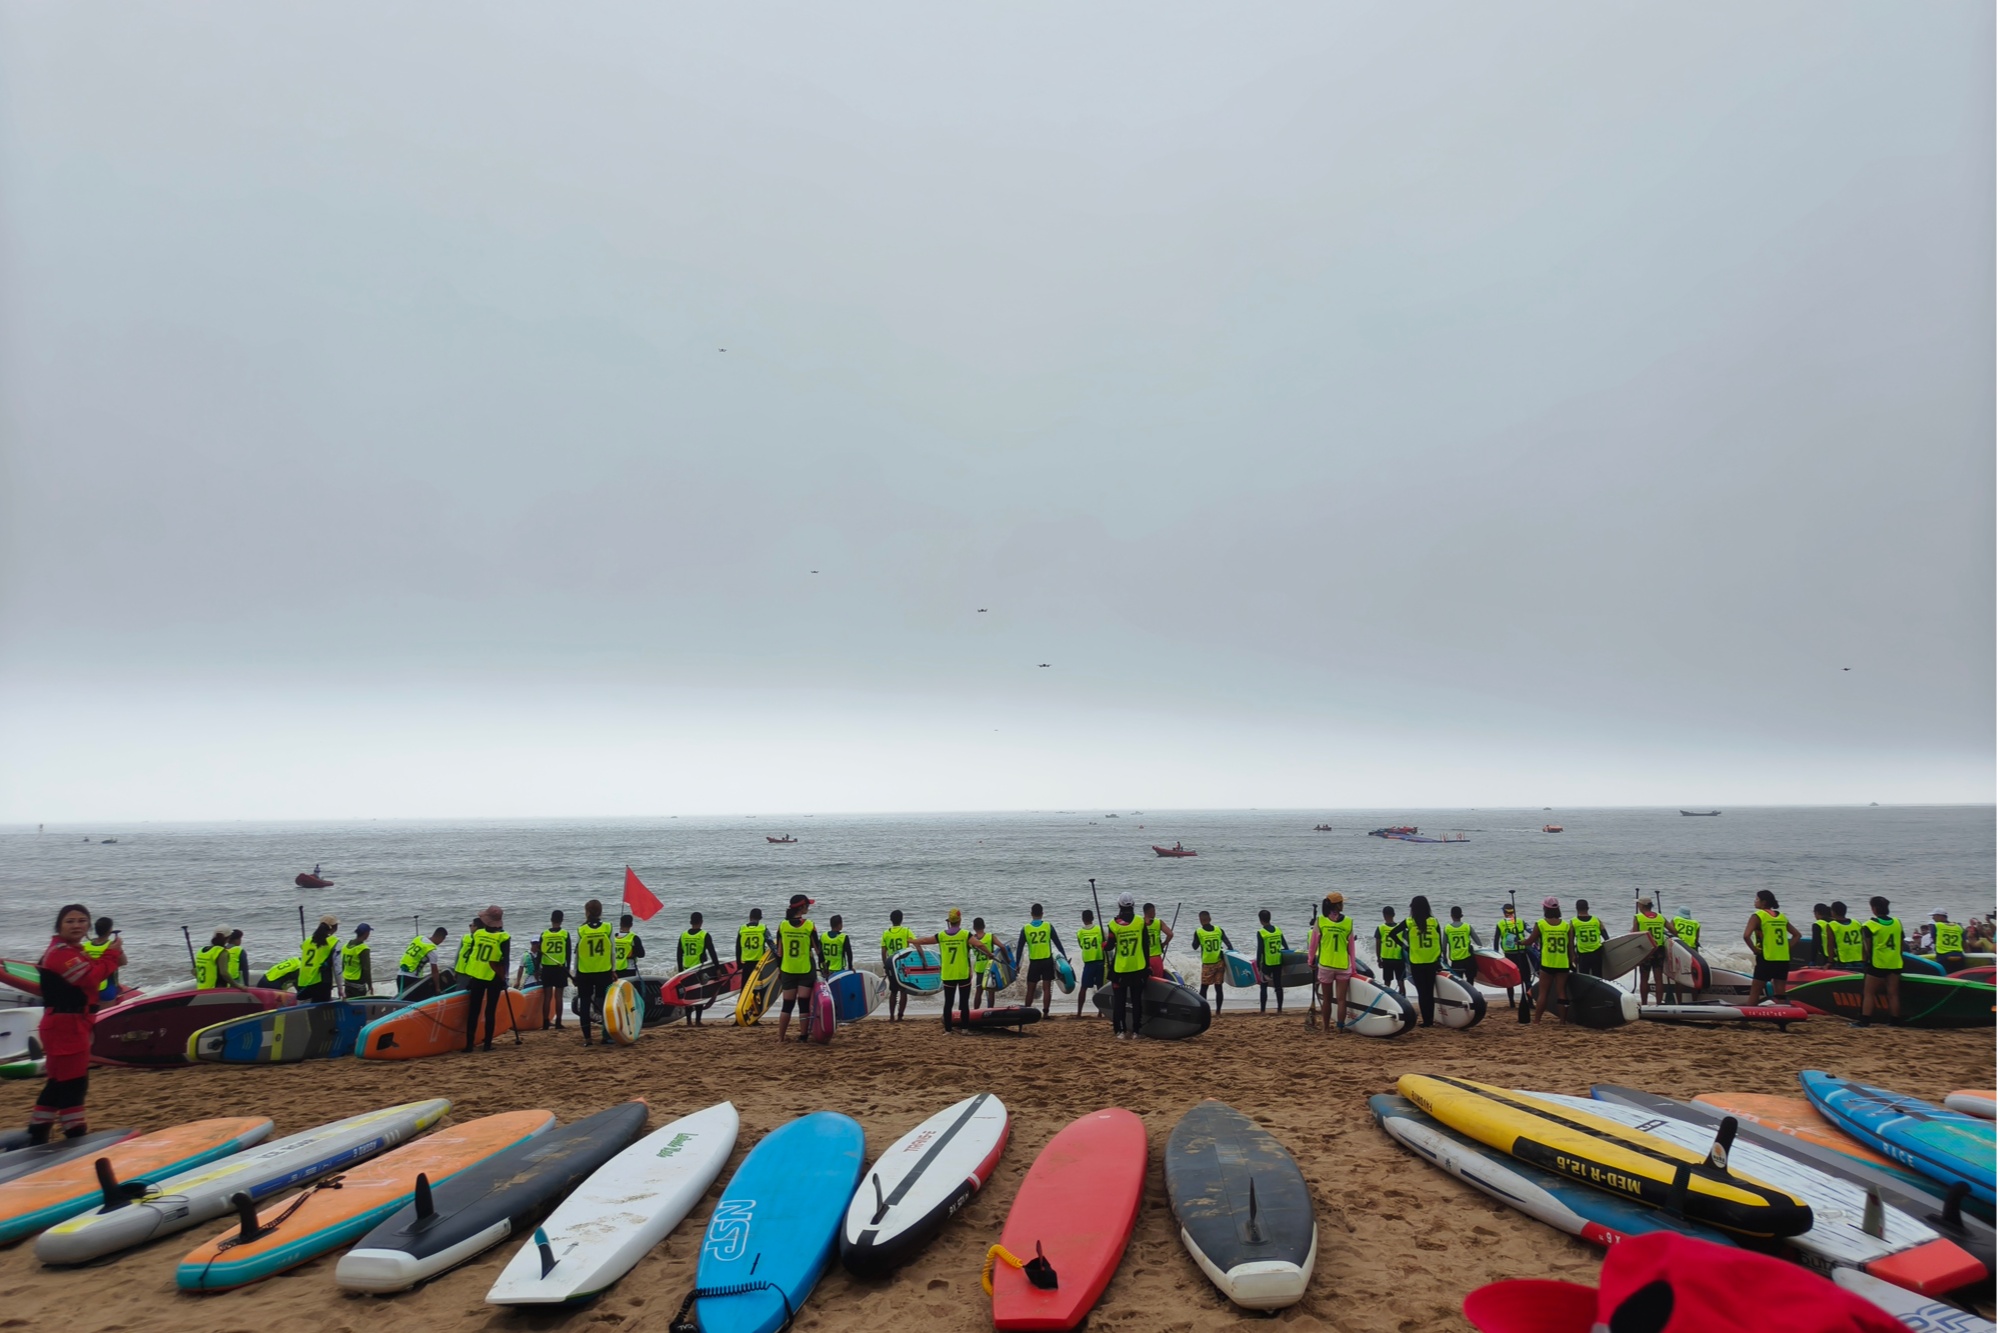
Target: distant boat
column 1111, row 816
column 1175, row 850
column 1552, row 828
column 1322, row 828
column 1701, row 814
column 787, row 838
column 308, row 879
column 1394, row 831
column 107, row 842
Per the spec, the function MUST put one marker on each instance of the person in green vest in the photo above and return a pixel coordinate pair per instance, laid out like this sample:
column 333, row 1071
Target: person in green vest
column 593, row 966
column 1687, row 929
column 1090, row 951
column 626, row 949
column 986, row 980
column 955, row 946
column 357, row 969
column 1552, row 941
column 239, row 961
column 1654, row 966
column 753, row 941
column 550, row 952
column 696, row 946
column 1460, row 939
column 1270, row 961
column 1330, row 944
column 1587, row 941
column 1035, row 951
column 801, row 962
column 1819, row 946
column 318, row 962
column 1881, row 965
column 1423, row 941
column 1771, row 937
column 1947, row 941
column 418, row 960
column 1210, row 940
column 1510, row 937
column 482, row 970
column 1388, row 954
column 836, row 947
column 1129, row 973
column 894, row 940
column 96, row 947
column 1158, row 936
column 1848, row 939
column 211, row 962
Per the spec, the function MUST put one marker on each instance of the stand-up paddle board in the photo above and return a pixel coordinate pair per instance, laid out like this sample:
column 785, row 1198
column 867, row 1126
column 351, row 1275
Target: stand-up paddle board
column 1001, row 971
column 1919, row 1314
column 1914, row 1194
column 759, row 989
column 1243, row 1208
column 295, row 1032
column 25, row 1161
column 1560, row 1201
column 1795, row 1117
column 1100, row 1157
column 1715, row 1015
column 437, row 1026
column 1172, row 1011
column 624, row 1012
column 23, row 977
column 37, row 1201
column 1947, row 1146
column 1596, row 1003
column 1926, row 1001
column 1373, row 1011
column 1687, row 970
column 449, row 1223
column 18, row 1040
column 340, row 1208
column 1496, row 969
column 1844, row 1234
column 1970, row 1101
column 702, row 985
column 856, row 994
column 1000, row 1018
column 916, row 969
column 1065, row 976
column 775, row 1228
column 1456, row 1004
column 154, row 1030
column 913, row 1189
column 626, row 1207
column 1625, row 952
column 206, row 1193
column 1609, row 1155
column 820, row 1016
column 427, row 987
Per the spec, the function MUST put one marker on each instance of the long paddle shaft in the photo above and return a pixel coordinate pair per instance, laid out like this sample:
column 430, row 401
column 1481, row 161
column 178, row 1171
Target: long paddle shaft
column 302, row 920
column 190, row 944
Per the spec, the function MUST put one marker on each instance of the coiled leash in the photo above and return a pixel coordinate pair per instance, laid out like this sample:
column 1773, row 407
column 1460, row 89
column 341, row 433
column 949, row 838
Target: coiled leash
column 1038, row 1270
column 682, row 1324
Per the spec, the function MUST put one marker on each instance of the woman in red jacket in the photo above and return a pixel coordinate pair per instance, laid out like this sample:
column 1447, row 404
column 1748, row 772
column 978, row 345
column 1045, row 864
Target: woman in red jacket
column 70, row 978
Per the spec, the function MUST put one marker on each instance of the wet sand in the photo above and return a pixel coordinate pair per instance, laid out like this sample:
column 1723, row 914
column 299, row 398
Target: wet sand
column 1400, row 1243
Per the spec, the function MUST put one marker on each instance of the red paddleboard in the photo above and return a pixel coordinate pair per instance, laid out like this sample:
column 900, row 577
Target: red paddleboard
column 1494, row 970
column 823, row 1019
column 699, row 985
column 1725, row 1013
column 1100, row 1158
column 154, row 1029
column 1984, row 974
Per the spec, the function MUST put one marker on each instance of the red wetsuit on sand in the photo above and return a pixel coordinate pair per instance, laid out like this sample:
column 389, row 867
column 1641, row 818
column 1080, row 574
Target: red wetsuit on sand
column 70, row 978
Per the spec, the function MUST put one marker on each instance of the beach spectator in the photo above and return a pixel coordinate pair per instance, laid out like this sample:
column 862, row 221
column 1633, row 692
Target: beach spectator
column 1551, row 942
column 1388, row 954
column 1270, row 961
column 1212, row 940
column 1770, row 937
column 894, row 940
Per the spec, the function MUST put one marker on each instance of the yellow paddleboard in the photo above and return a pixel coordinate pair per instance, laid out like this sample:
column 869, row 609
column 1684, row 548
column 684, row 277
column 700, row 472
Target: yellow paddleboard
column 1627, row 1162
column 758, row 990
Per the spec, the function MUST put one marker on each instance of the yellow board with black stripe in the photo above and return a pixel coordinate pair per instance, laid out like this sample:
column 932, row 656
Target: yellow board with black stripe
column 757, row 991
column 1619, row 1160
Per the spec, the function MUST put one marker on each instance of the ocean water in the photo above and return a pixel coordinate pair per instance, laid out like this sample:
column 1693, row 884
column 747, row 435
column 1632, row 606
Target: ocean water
column 157, row 878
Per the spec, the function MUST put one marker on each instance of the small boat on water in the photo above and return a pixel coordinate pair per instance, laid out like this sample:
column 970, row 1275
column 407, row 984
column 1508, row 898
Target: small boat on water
column 1552, row 828
column 311, row 879
column 1322, row 828
column 786, row 839
column 1175, row 850
column 1408, row 833
column 1701, row 814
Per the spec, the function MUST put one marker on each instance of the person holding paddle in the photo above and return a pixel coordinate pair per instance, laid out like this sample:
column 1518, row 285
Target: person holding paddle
column 1090, row 946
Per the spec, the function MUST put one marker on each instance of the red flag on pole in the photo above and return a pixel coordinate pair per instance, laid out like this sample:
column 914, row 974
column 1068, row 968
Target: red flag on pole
column 639, row 898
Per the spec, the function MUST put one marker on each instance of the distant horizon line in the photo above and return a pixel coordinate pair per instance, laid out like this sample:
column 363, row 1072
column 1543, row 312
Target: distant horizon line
column 30, row 825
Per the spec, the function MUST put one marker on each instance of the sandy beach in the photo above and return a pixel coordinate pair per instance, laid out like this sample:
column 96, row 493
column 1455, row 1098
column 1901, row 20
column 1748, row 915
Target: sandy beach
column 1400, row 1244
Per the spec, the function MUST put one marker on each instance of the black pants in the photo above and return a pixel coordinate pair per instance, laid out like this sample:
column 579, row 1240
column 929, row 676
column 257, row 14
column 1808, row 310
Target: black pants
column 482, row 997
column 1425, row 977
column 1466, row 970
column 318, row 993
column 1264, row 991
column 962, row 991
column 1526, row 962
column 61, row 1103
column 1128, row 988
column 1591, row 964
column 1394, row 973
column 590, row 988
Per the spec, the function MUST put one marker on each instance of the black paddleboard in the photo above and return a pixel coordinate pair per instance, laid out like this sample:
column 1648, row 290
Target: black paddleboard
column 476, row 1209
column 1000, row 1018
column 424, row 988
column 1596, row 1003
column 1173, row 1011
column 1242, row 1206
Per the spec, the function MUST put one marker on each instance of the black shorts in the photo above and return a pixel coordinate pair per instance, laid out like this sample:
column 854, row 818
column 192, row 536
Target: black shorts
column 1591, row 964
column 1135, row 979
column 554, row 977
column 895, row 986
column 1093, row 974
column 1951, row 962
column 1041, row 969
column 1557, row 970
column 791, row 981
column 1870, row 970
column 1771, row 969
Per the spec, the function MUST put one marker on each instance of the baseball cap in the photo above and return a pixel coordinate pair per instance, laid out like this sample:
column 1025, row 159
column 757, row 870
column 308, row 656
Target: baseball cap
column 1125, row 900
column 1547, row 903
column 1667, row 1283
column 364, row 929
column 1336, row 896
column 1940, row 912
column 800, row 900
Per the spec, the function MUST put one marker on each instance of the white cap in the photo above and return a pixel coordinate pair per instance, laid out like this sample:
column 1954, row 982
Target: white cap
column 1125, row 900
column 1941, row 912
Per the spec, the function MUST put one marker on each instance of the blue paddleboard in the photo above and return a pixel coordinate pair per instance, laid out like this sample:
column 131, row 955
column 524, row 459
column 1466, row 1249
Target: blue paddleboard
column 777, row 1226
column 1065, row 975
column 1945, row 1145
column 850, row 996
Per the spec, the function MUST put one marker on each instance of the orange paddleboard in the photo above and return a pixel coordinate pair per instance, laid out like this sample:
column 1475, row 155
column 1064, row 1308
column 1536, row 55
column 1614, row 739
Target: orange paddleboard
column 36, row 1202
column 343, row 1208
column 437, row 1026
column 1794, row 1116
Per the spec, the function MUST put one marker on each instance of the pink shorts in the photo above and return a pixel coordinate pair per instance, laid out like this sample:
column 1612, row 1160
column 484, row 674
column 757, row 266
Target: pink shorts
column 1329, row 975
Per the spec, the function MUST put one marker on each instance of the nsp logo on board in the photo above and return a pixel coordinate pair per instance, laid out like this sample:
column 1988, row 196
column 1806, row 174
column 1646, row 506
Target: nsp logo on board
column 729, row 1229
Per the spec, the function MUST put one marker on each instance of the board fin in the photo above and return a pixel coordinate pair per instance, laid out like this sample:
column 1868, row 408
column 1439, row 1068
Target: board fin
column 1871, row 1214
column 1725, row 1134
column 547, row 1252
column 1954, row 1199
column 426, row 1210
column 881, row 1204
column 1253, row 1237
column 246, row 1216
column 1039, row 1271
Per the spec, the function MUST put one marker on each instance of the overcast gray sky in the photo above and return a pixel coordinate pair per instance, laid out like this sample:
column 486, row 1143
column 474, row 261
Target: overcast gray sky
column 1411, row 404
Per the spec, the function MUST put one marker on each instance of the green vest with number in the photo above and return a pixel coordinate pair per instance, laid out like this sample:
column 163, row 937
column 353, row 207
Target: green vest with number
column 593, row 949
column 1688, row 929
column 896, row 939
column 555, row 948
column 1885, row 943
column 313, row 959
column 1425, row 939
column 1210, row 943
column 1458, row 942
column 1388, row 944
column 481, row 953
column 1039, row 934
column 1948, row 938
column 208, row 967
column 1555, row 943
column 354, row 961
column 954, row 956
column 694, row 947
column 834, row 947
column 1850, row 941
column 415, row 956
column 1774, row 943
column 795, row 956
column 1270, row 947
column 1128, row 946
column 1336, row 938
column 621, row 950
column 1090, row 943
column 750, row 942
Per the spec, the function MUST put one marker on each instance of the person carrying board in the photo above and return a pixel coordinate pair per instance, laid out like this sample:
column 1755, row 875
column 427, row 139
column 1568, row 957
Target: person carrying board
column 1036, row 951
column 696, row 946
column 801, row 962
column 894, row 940
column 955, row 946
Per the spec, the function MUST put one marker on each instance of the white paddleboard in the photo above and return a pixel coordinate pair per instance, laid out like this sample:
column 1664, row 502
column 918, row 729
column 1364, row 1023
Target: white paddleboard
column 1920, row 1314
column 913, row 1189
column 1971, row 1103
column 1373, row 1011
column 1626, row 952
column 204, row 1194
column 1457, row 1005
column 628, row 1206
column 1837, row 1238
column 17, row 1030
